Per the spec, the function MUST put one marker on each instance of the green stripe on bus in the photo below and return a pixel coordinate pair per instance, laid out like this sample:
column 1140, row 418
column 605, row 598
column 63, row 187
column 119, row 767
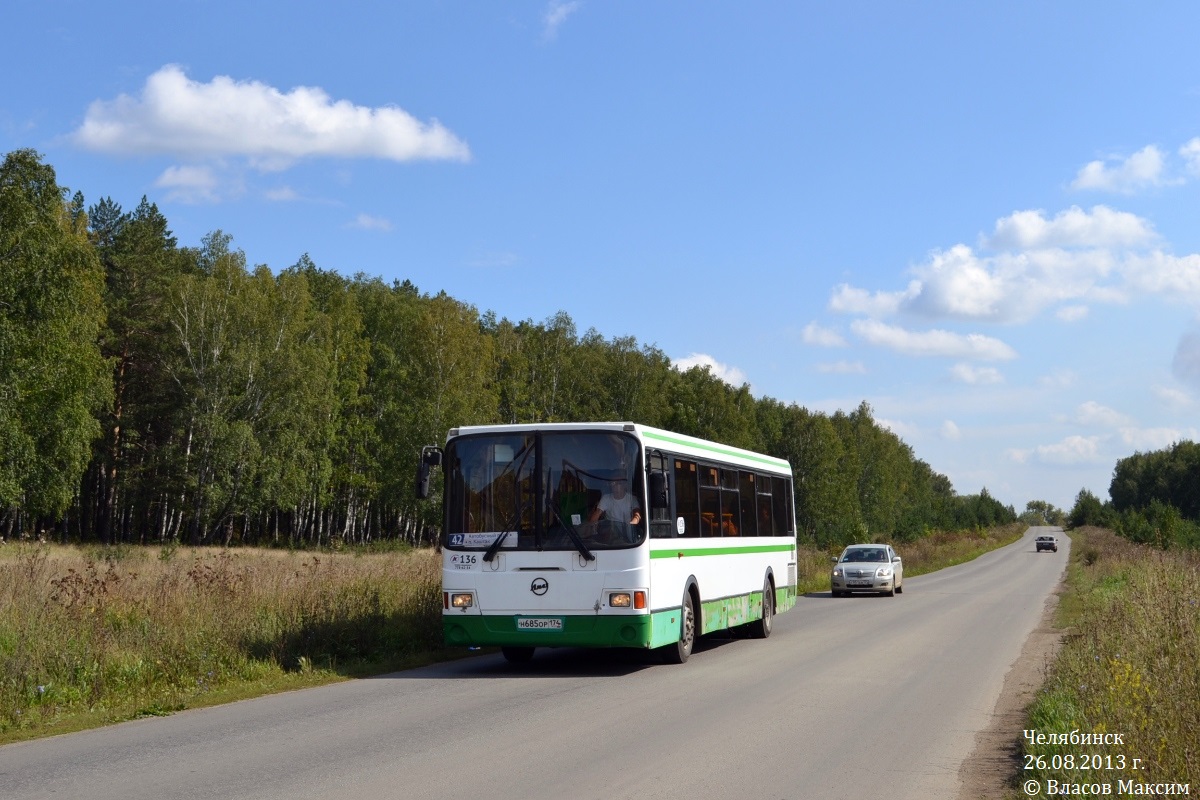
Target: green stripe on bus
column 681, row 552
column 716, row 448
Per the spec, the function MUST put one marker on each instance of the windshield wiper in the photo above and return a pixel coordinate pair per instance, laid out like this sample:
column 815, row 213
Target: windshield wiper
column 494, row 547
column 509, row 527
column 574, row 534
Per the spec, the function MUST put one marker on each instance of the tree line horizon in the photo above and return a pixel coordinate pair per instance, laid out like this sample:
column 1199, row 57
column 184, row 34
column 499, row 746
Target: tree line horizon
column 153, row 393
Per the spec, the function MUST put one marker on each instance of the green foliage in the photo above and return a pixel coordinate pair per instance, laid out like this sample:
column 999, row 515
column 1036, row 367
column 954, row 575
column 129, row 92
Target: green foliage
column 52, row 375
column 1170, row 476
column 1088, row 510
column 288, row 408
column 1039, row 512
column 1159, row 524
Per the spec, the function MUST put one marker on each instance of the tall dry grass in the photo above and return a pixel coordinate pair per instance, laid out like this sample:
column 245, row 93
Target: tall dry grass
column 89, row 636
column 1130, row 664
column 129, row 632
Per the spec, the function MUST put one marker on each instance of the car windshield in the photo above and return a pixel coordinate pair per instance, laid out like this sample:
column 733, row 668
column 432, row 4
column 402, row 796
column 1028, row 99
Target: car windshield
column 865, row 554
column 540, row 490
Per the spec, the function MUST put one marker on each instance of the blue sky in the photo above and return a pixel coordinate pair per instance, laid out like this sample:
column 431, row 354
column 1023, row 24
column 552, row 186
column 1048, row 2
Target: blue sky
column 982, row 218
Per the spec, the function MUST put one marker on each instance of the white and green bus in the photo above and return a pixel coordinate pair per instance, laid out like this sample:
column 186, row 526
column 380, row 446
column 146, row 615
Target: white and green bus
column 608, row 535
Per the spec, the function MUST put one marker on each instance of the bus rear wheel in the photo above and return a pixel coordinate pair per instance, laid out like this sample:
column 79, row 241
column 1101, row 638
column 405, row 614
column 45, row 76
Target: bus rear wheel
column 761, row 629
column 680, row 651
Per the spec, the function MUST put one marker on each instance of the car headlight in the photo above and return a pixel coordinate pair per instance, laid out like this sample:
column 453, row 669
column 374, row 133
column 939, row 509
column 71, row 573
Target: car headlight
column 837, row 572
column 883, row 572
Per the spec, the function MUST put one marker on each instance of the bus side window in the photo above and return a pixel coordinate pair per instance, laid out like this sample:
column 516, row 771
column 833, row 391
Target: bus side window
column 749, row 521
column 766, row 526
column 662, row 521
column 731, row 515
column 781, row 489
column 687, row 501
column 710, row 501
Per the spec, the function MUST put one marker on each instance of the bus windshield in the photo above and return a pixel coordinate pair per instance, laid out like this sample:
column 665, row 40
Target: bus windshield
column 544, row 490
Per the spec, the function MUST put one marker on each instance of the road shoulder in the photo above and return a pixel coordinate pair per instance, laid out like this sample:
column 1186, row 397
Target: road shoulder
column 987, row 772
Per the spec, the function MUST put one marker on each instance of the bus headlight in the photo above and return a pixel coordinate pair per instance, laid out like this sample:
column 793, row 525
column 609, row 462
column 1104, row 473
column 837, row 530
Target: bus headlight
column 460, row 600
column 627, row 599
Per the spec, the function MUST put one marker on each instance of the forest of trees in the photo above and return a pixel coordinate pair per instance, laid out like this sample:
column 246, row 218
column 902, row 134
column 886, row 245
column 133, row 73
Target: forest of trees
column 1154, row 498
column 153, row 393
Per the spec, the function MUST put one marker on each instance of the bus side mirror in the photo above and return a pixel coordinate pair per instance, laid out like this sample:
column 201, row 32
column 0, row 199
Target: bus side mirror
column 658, row 491
column 430, row 457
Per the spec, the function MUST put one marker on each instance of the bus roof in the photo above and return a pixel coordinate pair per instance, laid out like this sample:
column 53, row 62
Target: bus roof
column 652, row 437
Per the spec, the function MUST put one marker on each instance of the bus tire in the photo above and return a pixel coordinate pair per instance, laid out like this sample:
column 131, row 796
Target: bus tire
column 679, row 652
column 761, row 628
column 517, row 655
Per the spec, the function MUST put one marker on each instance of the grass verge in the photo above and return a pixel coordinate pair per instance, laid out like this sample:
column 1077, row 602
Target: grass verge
column 92, row 636
column 1128, row 675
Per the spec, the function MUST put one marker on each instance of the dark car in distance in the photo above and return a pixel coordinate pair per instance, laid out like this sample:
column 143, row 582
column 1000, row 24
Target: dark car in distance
column 1046, row 543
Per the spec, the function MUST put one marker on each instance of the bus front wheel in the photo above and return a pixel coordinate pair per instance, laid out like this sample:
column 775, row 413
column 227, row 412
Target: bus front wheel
column 678, row 653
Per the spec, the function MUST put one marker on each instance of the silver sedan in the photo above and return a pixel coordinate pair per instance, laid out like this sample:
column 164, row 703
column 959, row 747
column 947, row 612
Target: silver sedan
column 868, row 568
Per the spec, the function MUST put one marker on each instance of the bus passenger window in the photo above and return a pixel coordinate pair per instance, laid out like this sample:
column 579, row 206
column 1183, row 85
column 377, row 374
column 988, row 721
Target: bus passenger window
column 749, row 524
column 710, row 511
column 781, row 489
column 687, row 502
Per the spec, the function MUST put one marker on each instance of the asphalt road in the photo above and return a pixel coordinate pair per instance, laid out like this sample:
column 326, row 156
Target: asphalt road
column 850, row 697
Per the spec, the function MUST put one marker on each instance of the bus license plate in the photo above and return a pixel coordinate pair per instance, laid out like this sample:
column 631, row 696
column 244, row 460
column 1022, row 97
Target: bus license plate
column 539, row 623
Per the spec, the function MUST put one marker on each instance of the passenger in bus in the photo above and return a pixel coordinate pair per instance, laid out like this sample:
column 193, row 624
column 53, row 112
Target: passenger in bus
column 618, row 504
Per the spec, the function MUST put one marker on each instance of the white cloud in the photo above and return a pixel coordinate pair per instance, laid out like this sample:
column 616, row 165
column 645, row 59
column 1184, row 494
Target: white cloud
column 1018, row 455
column 1009, row 287
column 849, row 300
column 1063, row 379
column 976, row 376
column 190, row 184
column 933, row 343
column 366, row 222
column 904, row 430
column 1072, row 260
column 1074, row 227
column 1072, row 313
column 731, row 375
column 556, row 14
column 282, row 194
column 1071, row 450
column 955, row 283
column 843, row 368
column 814, row 334
column 181, row 117
column 1191, row 154
column 1146, row 439
column 1093, row 414
column 950, row 431
column 1160, row 273
column 1173, row 398
column 1141, row 170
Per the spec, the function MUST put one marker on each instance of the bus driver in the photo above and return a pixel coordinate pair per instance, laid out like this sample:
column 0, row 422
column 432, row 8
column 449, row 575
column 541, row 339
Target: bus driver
column 619, row 504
